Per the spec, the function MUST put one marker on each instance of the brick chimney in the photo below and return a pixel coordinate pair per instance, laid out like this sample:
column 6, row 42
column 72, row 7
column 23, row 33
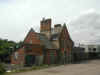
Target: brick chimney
column 45, row 27
column 57, row 28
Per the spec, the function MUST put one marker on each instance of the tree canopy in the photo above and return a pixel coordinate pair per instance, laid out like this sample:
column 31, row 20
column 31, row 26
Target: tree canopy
column 6, row 48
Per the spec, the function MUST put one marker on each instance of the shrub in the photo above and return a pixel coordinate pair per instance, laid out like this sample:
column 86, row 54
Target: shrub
column 2, row 70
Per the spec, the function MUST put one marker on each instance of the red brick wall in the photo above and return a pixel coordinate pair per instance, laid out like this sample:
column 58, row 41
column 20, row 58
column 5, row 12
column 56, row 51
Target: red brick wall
column 34, row 51
column 68, row 43
column 21, row 55
column 31, row 40
column 20, row 59
column 35, row 45
column 32, row 36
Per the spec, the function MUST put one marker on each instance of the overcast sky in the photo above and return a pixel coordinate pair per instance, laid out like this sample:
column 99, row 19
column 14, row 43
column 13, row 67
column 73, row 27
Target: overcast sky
column 81, row 16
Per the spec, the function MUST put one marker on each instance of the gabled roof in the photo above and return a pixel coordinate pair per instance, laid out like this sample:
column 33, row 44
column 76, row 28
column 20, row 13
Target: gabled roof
column 56, row 36
column 67, row 33
column 32, row 38
column 31, row 30
column 42, row 38
column 66, row 30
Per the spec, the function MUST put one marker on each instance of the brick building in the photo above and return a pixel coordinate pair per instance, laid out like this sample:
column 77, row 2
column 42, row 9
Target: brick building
column 50, row 46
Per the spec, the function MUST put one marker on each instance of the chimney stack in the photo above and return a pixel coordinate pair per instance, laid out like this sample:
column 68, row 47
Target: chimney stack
column 45, row 27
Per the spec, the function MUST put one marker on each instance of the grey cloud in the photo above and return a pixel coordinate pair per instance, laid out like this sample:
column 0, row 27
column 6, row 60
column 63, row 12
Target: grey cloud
column 88, row 28
column 18, row 16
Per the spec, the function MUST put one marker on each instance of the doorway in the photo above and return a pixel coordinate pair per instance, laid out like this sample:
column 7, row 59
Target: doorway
column 30, row 60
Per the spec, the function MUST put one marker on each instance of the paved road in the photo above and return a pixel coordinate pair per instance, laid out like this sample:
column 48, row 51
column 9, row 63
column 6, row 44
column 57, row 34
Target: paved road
column 86, row 68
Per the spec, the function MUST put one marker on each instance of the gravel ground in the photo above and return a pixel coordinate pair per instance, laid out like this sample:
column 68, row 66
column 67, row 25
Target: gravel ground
column 85, row 68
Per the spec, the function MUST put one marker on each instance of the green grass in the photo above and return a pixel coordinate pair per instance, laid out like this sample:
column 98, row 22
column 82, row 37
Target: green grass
column 32, row 69
column 7, row 73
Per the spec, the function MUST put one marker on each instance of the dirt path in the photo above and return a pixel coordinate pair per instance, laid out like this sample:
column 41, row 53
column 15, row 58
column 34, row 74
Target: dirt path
column 90, row 68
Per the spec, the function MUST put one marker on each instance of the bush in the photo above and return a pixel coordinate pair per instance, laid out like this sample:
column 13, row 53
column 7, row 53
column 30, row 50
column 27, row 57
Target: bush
column 2, row 70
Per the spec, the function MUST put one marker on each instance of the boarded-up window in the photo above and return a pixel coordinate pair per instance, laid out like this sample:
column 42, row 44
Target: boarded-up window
column 16, row 55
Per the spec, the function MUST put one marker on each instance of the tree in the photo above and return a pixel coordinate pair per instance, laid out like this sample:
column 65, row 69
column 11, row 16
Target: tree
column 5, row 49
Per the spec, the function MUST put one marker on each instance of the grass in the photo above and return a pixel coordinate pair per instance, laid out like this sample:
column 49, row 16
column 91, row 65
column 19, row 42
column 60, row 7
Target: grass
column 7, row 73
column 28, row 69
column 31, row 68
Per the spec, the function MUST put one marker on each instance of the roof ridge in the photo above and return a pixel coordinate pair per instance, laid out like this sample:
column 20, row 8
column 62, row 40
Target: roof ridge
column 32, row 30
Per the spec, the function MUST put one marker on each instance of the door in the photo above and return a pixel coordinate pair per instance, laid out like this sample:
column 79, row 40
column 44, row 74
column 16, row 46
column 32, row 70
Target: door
column 30, row 59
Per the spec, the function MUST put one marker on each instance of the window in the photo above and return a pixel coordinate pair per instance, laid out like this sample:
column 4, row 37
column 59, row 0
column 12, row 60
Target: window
column 83, row 49
column 16, row 55
column 28, row 47
column 94, row 49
